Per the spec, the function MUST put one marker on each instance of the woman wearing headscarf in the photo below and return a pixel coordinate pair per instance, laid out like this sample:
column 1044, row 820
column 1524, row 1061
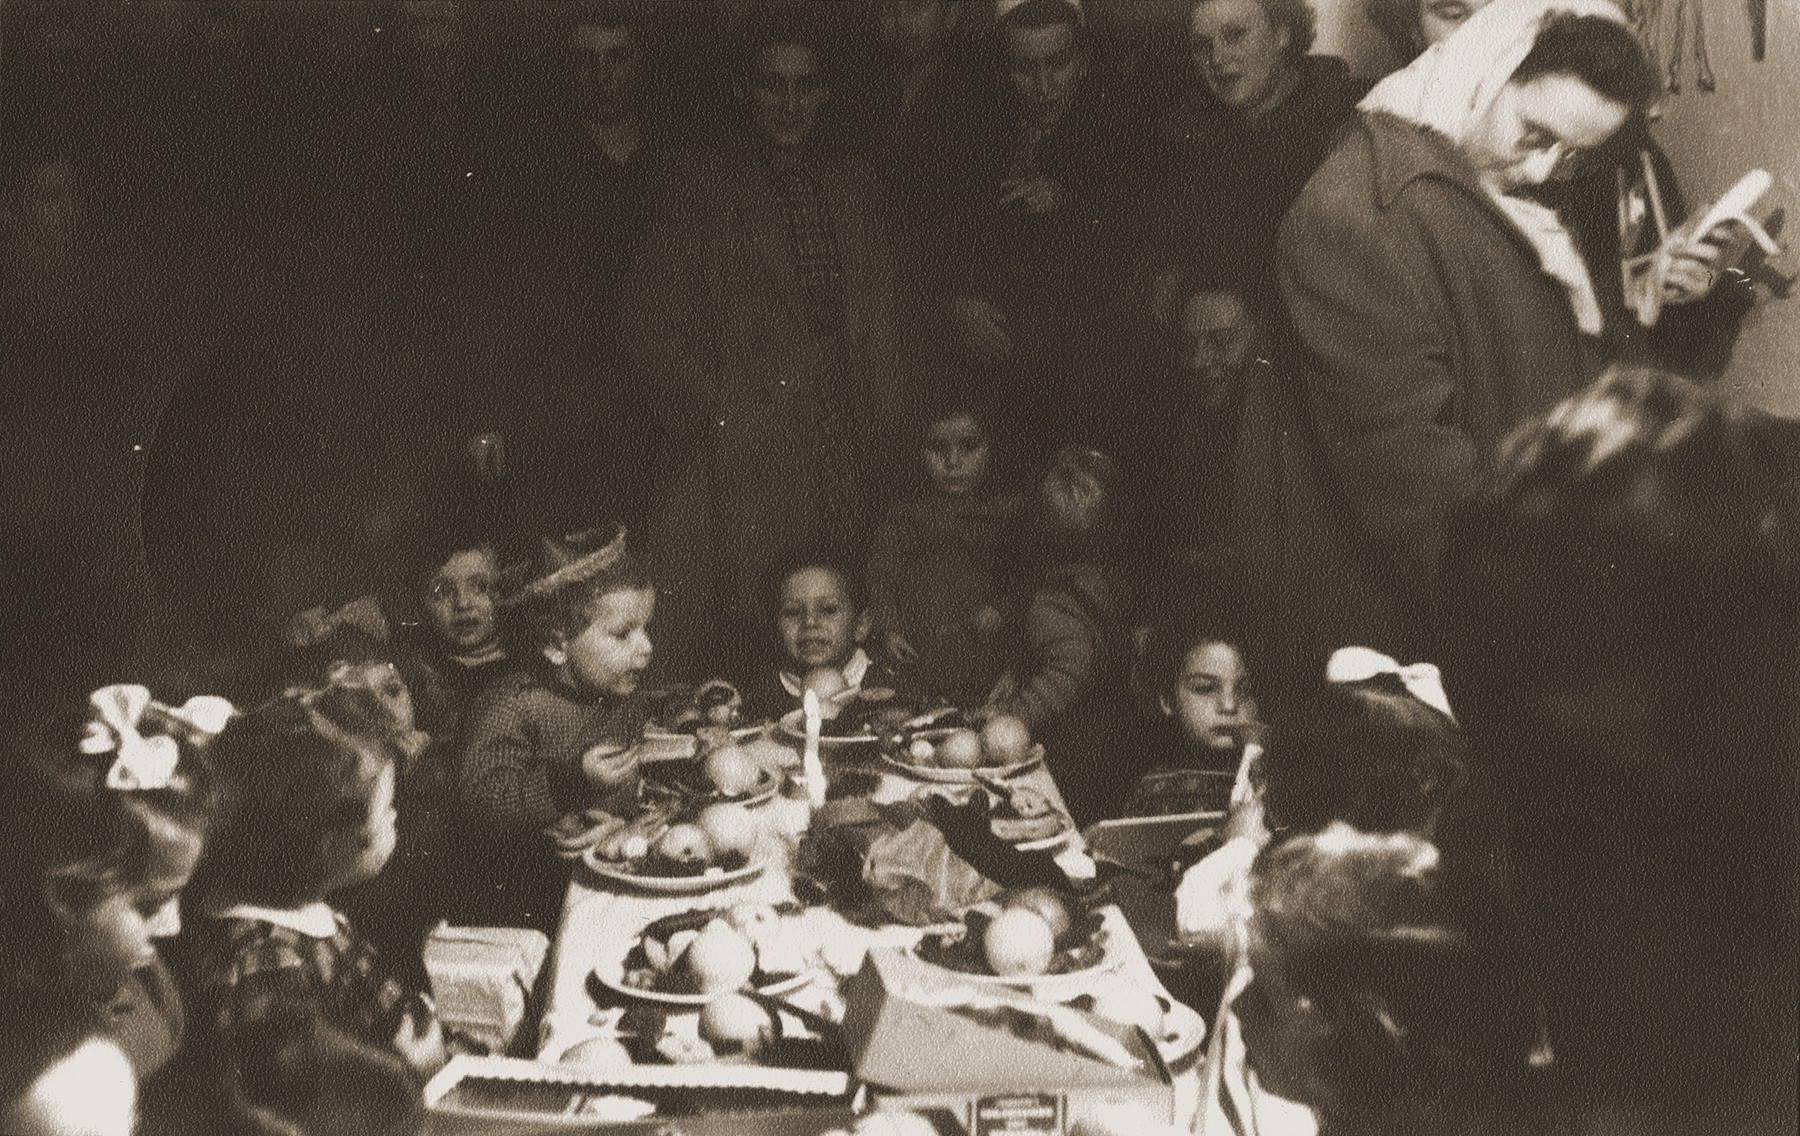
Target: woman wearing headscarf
column 1690, row 323
column 1436, row 307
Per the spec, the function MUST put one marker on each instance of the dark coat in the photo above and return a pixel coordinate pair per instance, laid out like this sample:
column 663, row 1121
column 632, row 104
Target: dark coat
column 1428, row 332
column 1224, row 180
column 780, row 427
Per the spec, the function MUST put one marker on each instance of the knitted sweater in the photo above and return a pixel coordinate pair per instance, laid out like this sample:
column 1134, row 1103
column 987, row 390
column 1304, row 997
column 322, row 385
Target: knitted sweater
column 523, row 740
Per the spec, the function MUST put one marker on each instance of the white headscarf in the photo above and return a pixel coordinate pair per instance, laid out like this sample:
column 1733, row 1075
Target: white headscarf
column 1451, row 86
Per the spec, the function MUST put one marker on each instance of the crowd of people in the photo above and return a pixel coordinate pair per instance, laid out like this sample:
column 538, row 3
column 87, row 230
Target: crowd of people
column 976, row 351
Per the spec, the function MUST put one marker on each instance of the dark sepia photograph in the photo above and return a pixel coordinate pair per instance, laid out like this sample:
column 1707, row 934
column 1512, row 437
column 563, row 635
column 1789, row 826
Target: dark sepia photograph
column 899, row 567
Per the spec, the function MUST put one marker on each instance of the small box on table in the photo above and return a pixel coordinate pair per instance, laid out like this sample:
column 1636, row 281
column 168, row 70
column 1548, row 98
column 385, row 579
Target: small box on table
column 482, row 978
column 922, row 1057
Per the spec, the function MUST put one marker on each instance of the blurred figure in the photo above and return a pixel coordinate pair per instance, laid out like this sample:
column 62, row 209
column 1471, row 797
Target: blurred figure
column 761, row 312
column 1033, row 238
column 1387, row 991
column 1625, row 640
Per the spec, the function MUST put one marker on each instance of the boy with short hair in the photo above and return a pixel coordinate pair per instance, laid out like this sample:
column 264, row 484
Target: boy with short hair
column 555, row 734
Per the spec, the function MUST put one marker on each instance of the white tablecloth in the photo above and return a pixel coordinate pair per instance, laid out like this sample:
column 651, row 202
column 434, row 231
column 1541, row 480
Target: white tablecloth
column 600, row 921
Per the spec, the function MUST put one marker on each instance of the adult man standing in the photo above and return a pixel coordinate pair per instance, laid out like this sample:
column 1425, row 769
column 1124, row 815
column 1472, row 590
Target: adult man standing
column 1035, row 235
column 761, row 309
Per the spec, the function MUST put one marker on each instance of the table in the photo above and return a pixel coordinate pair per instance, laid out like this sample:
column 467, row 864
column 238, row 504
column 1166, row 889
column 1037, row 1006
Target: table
column 600, row 922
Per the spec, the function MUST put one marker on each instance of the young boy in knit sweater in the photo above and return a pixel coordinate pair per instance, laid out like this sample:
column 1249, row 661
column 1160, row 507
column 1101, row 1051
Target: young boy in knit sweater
column 557, row 733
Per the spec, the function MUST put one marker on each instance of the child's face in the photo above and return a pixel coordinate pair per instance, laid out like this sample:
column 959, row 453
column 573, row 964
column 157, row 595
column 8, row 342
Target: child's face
column 460, row 601
column 610, row 656
column 820, row 625
column 1211, row 701
column 1218, row 341
column 116, row 936
column 956, row 454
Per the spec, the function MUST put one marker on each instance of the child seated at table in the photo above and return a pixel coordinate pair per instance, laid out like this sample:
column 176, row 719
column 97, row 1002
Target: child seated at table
column 1385, row 989
column 104, row 819
column 439, row 661
column 555, row 734
column 821, row 626
column 937, row 575
column 308, row 781
column 1069, row 683
column 1205, row 714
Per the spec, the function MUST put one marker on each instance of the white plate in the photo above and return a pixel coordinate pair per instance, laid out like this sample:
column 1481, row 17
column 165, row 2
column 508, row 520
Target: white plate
column 1045, row 843
column 793, row 726
column 709, row 880
column 959, row 776
column 767, row 786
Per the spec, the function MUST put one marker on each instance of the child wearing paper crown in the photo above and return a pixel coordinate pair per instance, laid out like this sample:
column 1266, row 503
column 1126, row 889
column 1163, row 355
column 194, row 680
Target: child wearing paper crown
column 556, row 732
column 104, row 824
column 273, row 968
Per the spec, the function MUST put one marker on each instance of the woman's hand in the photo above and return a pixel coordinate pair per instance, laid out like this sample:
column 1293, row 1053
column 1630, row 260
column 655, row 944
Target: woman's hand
column 1693, row 265
column 982, row 328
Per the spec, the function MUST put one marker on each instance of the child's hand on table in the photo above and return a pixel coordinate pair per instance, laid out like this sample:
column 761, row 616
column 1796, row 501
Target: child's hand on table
column 420, row 1039
column 610, row 765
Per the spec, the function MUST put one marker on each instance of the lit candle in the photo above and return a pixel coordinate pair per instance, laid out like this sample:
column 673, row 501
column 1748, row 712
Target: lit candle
column 813, row 768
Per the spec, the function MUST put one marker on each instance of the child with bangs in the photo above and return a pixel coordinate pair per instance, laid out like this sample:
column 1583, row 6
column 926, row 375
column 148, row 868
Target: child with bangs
column 940, row 560
column 556, row 732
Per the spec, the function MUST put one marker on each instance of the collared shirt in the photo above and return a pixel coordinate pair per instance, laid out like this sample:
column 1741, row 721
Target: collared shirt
column 256, row 959
column 853, row 671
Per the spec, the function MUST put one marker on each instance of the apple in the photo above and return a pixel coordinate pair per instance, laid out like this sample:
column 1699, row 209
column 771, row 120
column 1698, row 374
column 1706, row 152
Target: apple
column 685, row 844
column 961, row 750
column 1047, row 903
column 732, row 772
column 1018, row 943
column 1005, row 740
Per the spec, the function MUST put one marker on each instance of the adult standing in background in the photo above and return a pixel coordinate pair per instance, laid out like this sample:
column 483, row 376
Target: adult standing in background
column 761, row 310
column 1239, row 148
column 1034, row 241
column 1437, row 306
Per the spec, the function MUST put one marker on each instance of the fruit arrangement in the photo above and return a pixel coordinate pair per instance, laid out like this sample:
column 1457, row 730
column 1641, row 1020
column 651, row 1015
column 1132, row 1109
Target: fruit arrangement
column 712, row 953
column 1036, row 931
column 1003, row 742
column 679, row 834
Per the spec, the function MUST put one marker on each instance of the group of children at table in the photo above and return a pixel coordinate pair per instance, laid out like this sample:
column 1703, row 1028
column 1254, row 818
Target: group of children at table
column 514, row 707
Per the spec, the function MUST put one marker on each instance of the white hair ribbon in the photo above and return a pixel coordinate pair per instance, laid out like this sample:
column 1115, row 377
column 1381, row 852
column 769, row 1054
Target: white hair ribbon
column 145, row 762
column 1422, row 680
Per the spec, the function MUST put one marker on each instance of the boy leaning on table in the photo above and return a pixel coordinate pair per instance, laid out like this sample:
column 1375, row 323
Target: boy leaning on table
column 556, row 734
